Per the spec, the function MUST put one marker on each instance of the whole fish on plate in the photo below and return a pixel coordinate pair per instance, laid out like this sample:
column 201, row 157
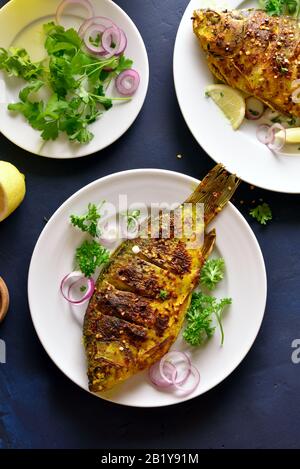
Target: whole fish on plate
column 253, row 52
column 141, row 297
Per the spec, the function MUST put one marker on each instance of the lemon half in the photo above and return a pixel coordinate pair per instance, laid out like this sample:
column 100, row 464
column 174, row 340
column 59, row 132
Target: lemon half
column 291, row 135
column 12, row 189
column 230, row 101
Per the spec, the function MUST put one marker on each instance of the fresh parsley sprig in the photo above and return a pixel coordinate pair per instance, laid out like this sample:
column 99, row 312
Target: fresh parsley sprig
column 88, row 223
column 212, row 273
column 89, row 256
column 262, row 213
column 200, row 318
column 280, row 7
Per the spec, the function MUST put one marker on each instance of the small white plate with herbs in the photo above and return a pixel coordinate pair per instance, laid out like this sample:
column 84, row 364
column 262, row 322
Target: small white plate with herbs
column 238, row 270
column 73, row 75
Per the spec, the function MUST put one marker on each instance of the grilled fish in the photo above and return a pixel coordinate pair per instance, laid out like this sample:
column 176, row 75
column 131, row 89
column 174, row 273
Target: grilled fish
column 253, row 52
column 140, row 300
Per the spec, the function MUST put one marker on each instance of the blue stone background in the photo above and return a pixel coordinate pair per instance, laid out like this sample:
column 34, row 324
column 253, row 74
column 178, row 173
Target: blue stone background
column 258, row 405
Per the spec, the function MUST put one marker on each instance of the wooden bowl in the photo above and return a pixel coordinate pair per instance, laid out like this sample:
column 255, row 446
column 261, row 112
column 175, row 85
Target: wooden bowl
column 4, row 299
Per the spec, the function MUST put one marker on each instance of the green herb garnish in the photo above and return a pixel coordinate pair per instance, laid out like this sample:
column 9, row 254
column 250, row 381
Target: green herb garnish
column 77, row 83
column 212, row 273
column 163, row 294
column 262, row 213
column 90, row 256
column 88, row 223
column 276, row 120
column 292, row 121
column 254, row 113
column 280, row 7
column 200, row 316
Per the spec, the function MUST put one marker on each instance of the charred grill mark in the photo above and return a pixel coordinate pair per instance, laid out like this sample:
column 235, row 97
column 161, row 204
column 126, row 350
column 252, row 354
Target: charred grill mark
column 161, row 324
column 170, row 255
column 109, row 329
column 124, row 305
column 137, row 276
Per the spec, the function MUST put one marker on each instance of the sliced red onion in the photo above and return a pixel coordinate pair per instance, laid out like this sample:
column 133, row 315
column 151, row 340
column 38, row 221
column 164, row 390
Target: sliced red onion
column 175, row 358
column 262, row 134
column 123, row 43
column 190, row 384
column 276, row 143
column 76, row 288
column 111, row 36
column 95, row 28
column 128, row 82
column 254, row 108
column 84, row 3
column 157, row 379
column 95, row 20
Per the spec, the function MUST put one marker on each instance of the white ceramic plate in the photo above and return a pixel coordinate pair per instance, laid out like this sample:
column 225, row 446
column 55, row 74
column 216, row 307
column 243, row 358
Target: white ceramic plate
column 60, row 330
column 21, row 26
column 240, row 151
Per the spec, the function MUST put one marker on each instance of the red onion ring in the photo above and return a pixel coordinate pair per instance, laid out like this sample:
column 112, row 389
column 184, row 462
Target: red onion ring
column 123, row 43
column 95, row 28
column 274, row 144
column 262, row 134
column 111, row 35
column 84, row 3
column 267, row 136
column 188, row 390
column 174, row 358
column 71, row 281
column 254, row 105
column 130, row 77
column 95, row 20
column 157, row 379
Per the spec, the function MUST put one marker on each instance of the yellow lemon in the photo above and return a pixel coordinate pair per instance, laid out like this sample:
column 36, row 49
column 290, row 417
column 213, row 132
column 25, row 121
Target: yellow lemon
column 12, row 189
column 291, row 135
column 230, row 101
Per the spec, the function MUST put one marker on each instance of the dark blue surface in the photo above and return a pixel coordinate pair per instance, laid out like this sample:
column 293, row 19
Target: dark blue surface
column 258, row 405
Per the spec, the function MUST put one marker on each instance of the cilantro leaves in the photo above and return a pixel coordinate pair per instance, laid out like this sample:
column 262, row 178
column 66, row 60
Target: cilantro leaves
column 212, row 273
column 262, row 213
column 77, row 83
column 200, row 318
column 89, row 256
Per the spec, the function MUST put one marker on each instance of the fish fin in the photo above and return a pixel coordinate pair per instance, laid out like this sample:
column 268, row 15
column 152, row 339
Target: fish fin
column 209, row 243
column 214, row 191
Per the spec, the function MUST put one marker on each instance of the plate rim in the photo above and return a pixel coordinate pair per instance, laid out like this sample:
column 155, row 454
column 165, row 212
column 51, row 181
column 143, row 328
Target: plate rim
column 149, row 171
column 146, row 78
column 204, row 145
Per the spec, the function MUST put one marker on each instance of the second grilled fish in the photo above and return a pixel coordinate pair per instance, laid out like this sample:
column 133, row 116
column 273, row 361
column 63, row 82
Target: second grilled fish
column 141, row 299
column 253, row 52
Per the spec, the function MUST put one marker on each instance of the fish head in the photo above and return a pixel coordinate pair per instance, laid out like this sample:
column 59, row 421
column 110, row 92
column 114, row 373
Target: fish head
column 219, row 33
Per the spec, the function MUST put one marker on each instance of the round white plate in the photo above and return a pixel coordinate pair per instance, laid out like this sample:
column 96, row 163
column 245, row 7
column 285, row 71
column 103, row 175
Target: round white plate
column 239, row 150
column 22, row 27
column 60, row 329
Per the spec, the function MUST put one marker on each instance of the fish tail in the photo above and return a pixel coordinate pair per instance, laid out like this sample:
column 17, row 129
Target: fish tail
column 214, row 191
column 209, row 243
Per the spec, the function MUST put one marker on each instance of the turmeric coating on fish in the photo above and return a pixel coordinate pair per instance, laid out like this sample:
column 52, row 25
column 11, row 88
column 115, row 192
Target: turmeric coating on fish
column 141, row 297
column 253, row 52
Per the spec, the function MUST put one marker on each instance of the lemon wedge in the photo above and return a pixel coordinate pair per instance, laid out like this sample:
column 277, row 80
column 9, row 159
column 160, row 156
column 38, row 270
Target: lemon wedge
column 291, row 135
column 12, row 189
column 230, row 101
